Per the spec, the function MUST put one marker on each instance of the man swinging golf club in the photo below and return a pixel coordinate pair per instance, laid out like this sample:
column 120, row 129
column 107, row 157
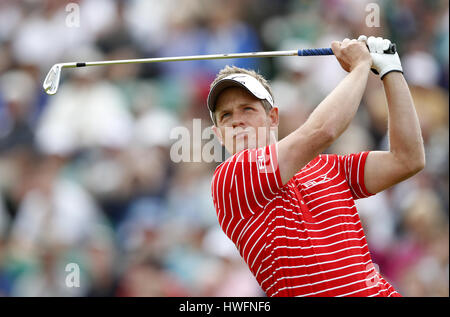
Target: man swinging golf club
column 289, row 209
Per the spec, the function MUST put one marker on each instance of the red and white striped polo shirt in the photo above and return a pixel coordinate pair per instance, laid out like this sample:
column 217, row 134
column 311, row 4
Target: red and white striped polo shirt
column 304, row 238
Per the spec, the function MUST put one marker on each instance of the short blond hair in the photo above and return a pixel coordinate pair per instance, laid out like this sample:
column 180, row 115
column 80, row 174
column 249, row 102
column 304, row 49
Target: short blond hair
column 230, row 70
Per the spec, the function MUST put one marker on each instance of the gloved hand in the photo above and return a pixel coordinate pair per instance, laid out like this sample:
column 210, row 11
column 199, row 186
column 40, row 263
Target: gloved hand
column 382, row 63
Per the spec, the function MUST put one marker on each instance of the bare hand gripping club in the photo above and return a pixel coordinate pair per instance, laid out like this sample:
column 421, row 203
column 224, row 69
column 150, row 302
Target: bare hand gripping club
column 52, row 79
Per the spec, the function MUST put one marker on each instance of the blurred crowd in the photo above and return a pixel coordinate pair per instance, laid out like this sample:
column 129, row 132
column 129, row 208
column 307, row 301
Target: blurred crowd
column 86, row 175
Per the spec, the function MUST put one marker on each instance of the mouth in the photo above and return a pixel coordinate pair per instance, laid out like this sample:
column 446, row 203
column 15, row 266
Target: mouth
column 240, row 133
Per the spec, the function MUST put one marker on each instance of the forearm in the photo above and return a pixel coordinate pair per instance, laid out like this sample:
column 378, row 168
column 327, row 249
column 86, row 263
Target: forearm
column 405, row 137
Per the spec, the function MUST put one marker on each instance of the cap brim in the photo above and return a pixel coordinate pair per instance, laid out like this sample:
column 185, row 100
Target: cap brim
column 219, row 88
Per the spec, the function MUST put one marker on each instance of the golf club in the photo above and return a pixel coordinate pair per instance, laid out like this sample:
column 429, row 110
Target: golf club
column 52, row 79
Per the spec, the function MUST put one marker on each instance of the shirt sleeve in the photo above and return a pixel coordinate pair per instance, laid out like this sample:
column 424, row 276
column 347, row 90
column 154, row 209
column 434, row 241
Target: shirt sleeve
column 245, row 183
column 352, row 166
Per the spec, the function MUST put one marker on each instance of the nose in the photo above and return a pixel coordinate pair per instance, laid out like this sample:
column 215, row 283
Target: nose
column 237, row 121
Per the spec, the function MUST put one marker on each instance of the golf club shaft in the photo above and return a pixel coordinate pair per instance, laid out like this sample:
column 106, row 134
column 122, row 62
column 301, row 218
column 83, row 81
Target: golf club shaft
column 305, row 52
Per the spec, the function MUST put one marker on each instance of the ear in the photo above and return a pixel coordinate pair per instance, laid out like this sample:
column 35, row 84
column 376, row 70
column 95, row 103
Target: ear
column 217, row 133
column 274, row 117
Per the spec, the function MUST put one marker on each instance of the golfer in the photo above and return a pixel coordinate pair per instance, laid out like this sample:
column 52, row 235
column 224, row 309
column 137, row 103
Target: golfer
column 289, row 209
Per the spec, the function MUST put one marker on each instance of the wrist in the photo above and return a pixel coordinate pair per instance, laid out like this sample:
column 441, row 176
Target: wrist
column 365, row 64
column 392, row 75
column 397, row 71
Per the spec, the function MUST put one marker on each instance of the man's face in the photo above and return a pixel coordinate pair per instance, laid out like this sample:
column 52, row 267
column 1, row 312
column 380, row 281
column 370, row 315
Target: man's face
column 242, row 121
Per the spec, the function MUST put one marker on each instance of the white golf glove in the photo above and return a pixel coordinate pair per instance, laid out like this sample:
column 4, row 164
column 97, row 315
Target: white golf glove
column 382, row 63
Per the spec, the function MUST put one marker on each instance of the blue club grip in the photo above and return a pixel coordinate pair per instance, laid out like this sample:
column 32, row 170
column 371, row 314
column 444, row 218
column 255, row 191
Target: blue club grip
column 315, row 51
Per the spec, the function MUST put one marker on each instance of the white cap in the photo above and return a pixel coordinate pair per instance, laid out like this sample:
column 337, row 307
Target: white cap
column 250, row 83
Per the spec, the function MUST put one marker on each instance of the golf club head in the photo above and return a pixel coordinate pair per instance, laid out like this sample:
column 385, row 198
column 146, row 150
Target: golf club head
column 51, row 81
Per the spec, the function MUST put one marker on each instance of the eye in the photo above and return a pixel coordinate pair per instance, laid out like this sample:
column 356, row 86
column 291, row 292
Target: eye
column 224, row 115
column 248, row 108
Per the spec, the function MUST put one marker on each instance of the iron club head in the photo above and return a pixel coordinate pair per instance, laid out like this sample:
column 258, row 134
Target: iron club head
column 51, row 81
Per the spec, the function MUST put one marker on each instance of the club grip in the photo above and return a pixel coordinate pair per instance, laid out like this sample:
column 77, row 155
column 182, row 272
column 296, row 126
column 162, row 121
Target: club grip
column 315, row 52
column 328, row 51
